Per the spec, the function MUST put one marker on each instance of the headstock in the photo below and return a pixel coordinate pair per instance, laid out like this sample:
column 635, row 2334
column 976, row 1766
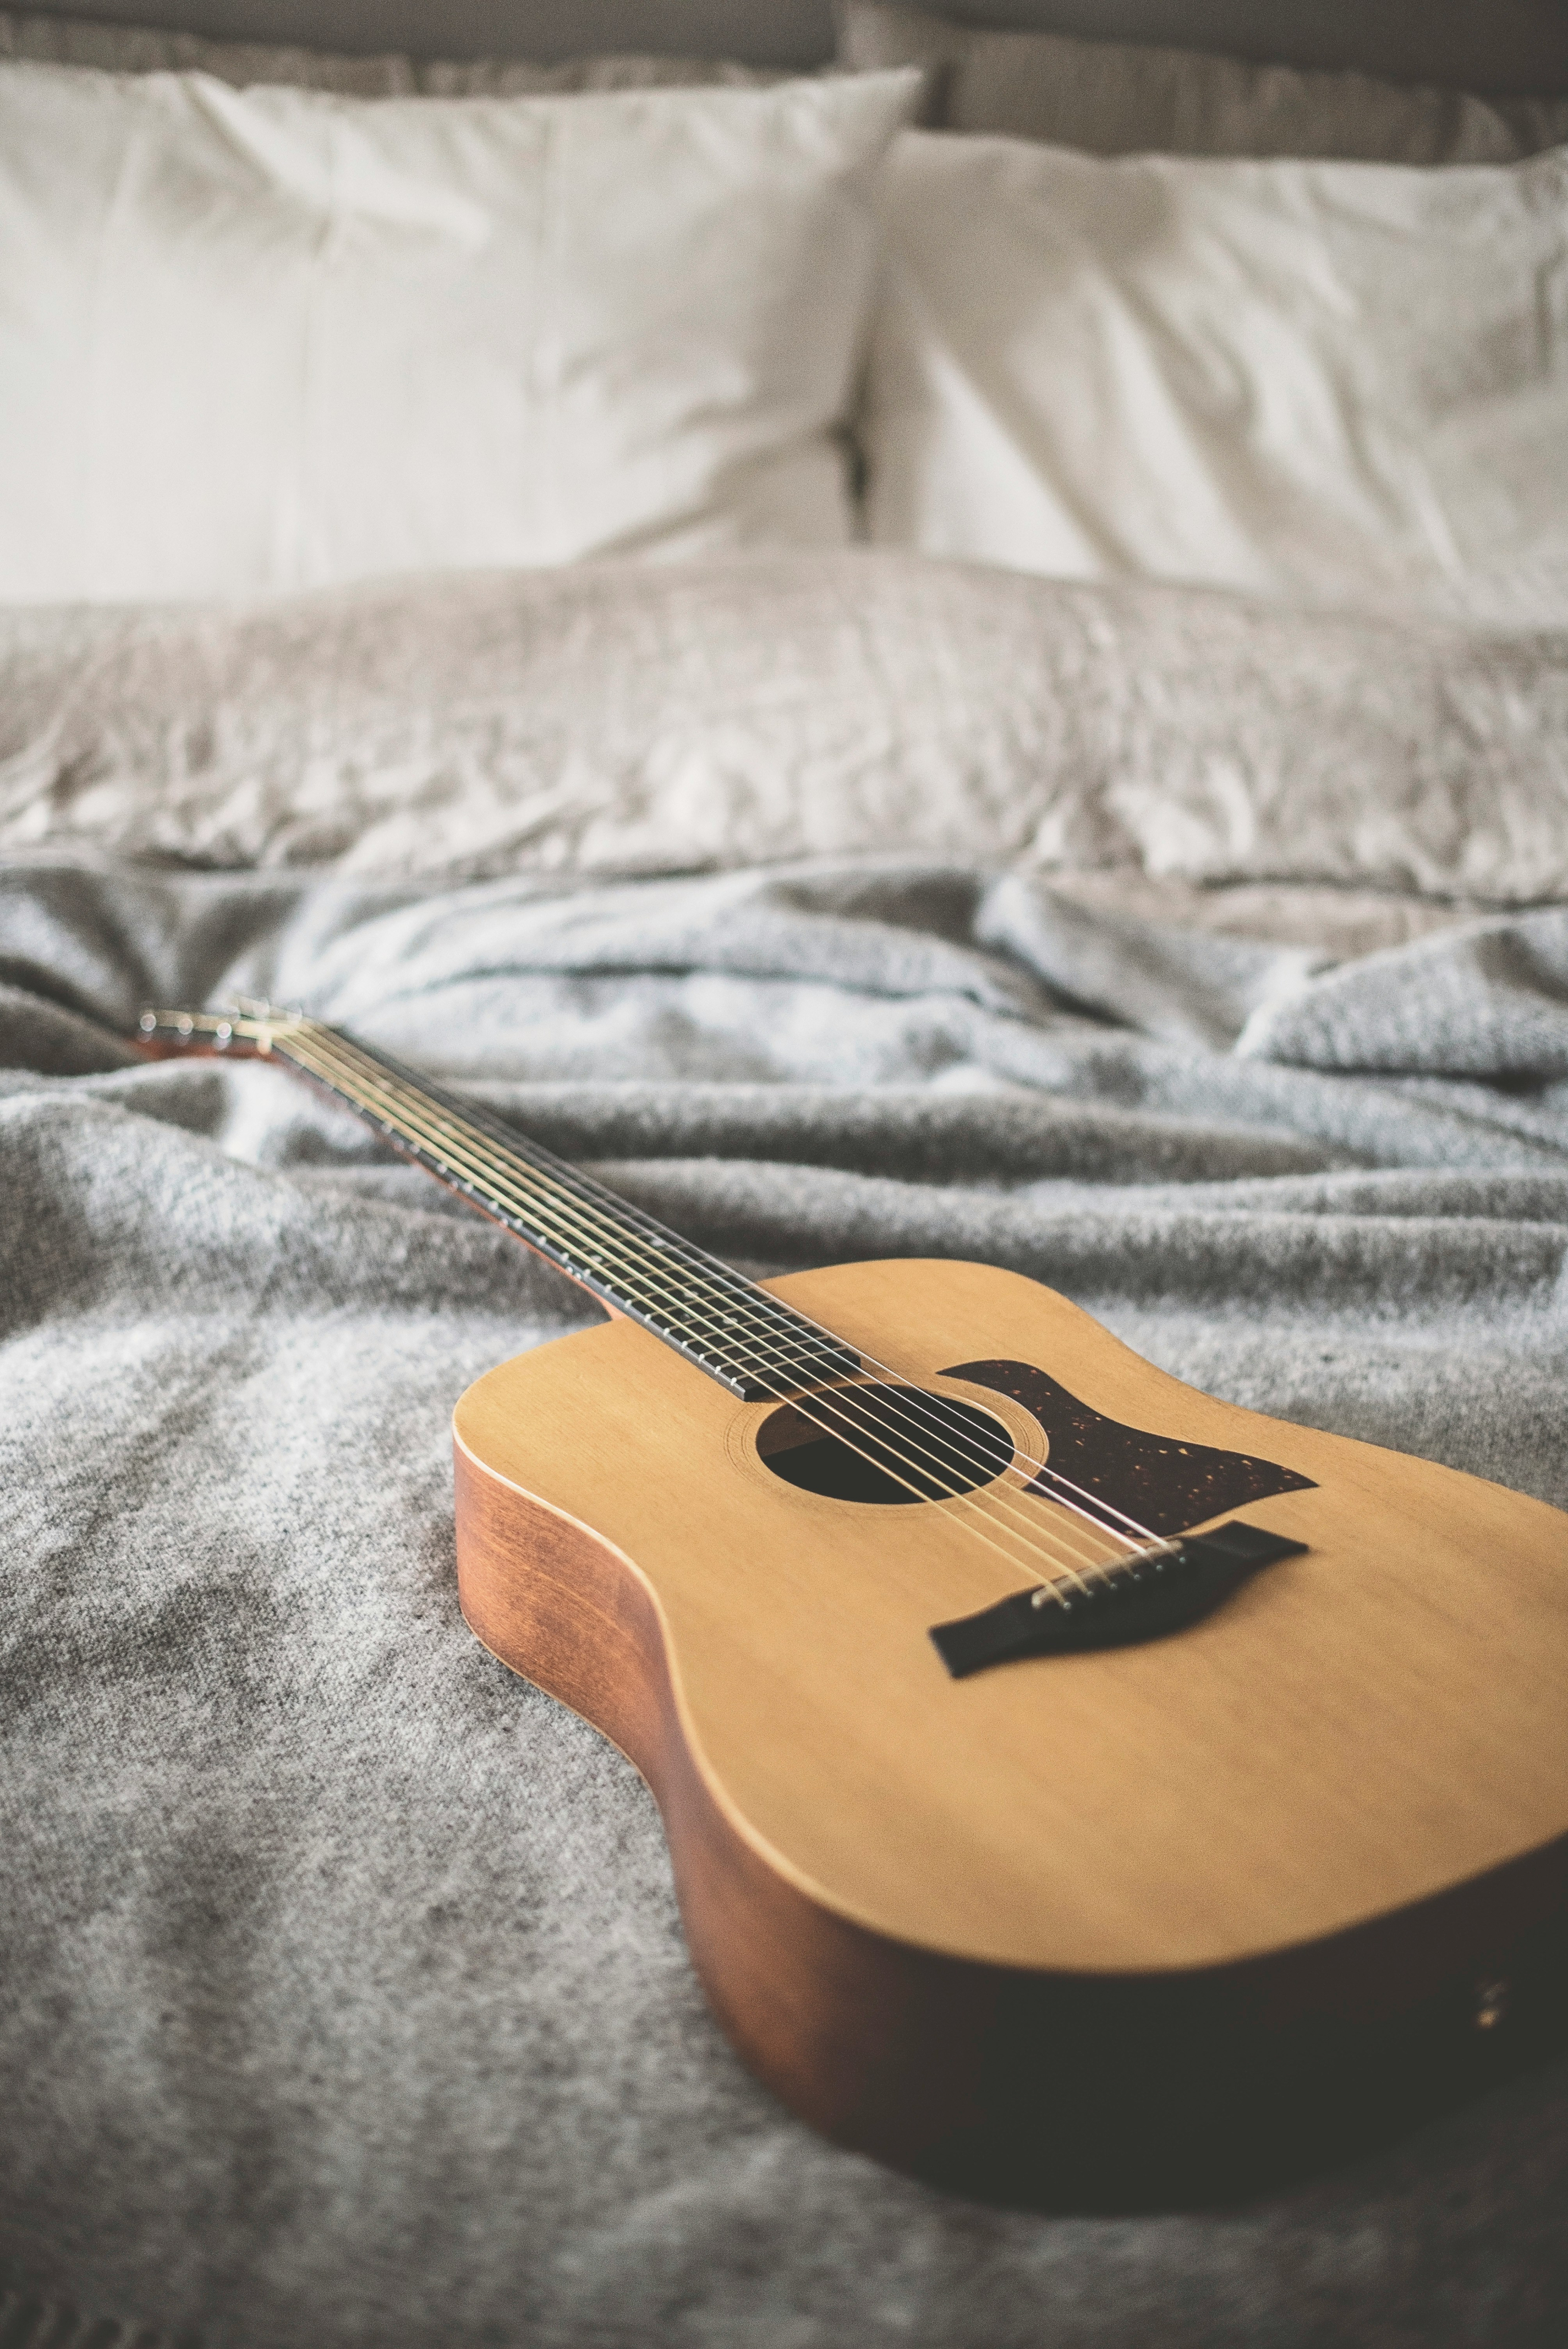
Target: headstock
column 249, row 1026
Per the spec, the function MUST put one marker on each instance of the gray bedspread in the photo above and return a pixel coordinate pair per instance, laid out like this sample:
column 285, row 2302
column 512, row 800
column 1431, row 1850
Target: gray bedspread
column 342, row 1994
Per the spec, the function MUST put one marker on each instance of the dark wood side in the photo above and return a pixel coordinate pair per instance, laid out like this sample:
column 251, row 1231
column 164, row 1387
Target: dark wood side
column 1048, row 2089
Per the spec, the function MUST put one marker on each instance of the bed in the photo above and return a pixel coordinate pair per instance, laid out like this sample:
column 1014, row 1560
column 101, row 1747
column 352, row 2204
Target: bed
column 916, row 853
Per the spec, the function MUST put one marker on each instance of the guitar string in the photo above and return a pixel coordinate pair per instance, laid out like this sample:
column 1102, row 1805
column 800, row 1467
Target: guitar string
column 838, row 1410
column 387, row 1092
column 330, row 1052
column 685, row 1256
column 622, row 1213
column 840, row 1416
column 838, row 1421
column 934, row 1407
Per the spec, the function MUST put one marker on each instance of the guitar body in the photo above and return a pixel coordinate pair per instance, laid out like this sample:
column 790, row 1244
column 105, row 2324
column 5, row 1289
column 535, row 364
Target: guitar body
column 1077, row 1788
column 1104, row 1925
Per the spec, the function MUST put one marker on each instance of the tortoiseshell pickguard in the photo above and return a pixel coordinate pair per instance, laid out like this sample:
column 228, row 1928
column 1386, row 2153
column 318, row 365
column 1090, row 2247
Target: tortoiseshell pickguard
column 1163, row 1486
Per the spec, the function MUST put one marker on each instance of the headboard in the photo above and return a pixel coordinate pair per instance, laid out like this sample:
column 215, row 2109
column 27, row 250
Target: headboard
column 1504, row 48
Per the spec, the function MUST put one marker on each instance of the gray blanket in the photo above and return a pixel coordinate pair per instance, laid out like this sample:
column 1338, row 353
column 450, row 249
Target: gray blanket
column 342, row 1994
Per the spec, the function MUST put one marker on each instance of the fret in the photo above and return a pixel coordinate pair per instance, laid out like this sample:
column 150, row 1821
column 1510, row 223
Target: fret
column 723, row 1323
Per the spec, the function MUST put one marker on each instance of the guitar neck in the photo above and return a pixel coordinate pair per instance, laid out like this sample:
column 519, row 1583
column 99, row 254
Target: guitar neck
column 723, row 1323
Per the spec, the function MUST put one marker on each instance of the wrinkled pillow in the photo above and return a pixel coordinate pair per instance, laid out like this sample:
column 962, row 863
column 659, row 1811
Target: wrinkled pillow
column 273, row 339
column 1120, row 97
column 1337, row 383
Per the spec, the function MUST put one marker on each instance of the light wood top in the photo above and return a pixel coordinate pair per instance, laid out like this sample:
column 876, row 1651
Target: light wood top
column 1354, row 1730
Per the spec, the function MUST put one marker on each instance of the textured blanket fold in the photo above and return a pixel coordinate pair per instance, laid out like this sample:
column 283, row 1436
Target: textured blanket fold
column 343, row 2000
column 691, row 716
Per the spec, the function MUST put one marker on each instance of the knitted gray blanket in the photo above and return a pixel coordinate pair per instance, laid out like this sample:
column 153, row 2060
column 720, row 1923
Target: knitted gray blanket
column 343, row 2000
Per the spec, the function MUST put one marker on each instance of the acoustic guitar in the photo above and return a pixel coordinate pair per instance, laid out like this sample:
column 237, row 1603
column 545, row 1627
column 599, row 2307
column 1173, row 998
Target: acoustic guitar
column 1074, row 1783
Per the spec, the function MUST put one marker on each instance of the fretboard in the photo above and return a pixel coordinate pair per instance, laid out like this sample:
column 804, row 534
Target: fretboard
column 722, row 1321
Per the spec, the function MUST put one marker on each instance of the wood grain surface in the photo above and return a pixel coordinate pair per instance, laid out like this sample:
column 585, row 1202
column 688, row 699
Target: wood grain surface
column 1342, row 1799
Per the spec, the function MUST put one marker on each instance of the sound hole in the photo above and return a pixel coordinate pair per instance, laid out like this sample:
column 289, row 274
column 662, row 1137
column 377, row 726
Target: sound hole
column 884, row 1442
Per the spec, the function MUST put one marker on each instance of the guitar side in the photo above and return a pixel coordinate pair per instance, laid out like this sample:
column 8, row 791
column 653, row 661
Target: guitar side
column 1048, row 2037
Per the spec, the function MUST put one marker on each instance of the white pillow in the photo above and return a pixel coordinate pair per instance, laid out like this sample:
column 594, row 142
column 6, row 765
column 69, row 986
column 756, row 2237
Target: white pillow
column 1338, row 382
column 274, row 339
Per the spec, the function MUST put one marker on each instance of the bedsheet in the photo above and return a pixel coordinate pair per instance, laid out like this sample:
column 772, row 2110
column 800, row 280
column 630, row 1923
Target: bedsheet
column 616, row 718
column 344, row 2000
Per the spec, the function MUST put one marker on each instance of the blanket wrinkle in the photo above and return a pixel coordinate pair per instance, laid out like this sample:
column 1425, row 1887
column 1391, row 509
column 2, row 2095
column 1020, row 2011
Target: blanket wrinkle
column 1489, row 1000
column 621, row 718
column 345, row 2001
column 1163, row 981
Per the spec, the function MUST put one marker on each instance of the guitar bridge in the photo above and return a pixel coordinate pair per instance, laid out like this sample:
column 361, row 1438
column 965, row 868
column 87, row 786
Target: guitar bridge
column 1145, row 1598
